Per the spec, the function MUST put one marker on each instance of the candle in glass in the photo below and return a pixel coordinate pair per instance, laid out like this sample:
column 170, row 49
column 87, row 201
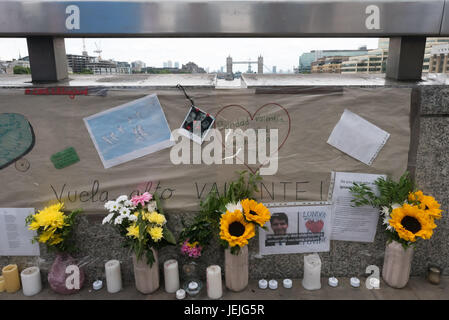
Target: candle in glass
column 31, row 281
column 171, row 276
column 312, row 272
column 214, row 283
column 113, row 276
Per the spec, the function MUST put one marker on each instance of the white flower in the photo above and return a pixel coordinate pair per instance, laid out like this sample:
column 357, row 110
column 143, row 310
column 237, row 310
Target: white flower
column 152, row 206
column 395, row 206
column 231, row 207
column 124, row 211
column 122, row 198
column 108, row 218
column 118, row 220
column 132, row 217
column 108, row 205
column 385, row 211
column 128, row 203
column 387, row 222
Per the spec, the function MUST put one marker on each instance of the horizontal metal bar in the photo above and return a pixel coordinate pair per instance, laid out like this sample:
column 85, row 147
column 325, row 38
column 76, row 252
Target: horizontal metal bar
column 200, row 18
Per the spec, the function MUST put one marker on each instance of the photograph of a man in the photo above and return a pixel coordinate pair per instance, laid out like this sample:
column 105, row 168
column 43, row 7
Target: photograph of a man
column 279, row 223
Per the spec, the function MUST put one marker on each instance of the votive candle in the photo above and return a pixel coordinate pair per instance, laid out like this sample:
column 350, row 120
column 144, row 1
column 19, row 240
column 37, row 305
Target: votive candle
column 214, row 282
column 113, row 276
column 31, row 281
column 12, row 280
column 312, row 272
column 171, row 276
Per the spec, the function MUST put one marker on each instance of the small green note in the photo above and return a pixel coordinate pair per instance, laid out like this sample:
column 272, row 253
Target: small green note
column 64, row 158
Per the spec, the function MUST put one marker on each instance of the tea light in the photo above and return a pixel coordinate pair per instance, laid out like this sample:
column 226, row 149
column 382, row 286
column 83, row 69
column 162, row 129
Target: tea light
column 355, row 282
column 11, row 276
column 193, row 285
column 434, row 275
column 263, row 284
column 214, row 283
column 180, row 294
column 113, row 276
column 2, row 284
column 375, row 283
column 171, row 275
column 31, row 281
column 287, row 283
column 312, row 272
column 273, row 284
column 333, row 282
column 97, row 285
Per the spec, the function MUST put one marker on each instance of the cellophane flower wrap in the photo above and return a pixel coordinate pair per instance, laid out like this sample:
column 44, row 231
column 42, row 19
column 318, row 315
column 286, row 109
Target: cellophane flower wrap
column 141, row 222
column 54, row 227
column 231, row 218
column 407, row 215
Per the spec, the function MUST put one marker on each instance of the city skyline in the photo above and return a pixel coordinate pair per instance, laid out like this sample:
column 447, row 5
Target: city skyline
column 209, row 53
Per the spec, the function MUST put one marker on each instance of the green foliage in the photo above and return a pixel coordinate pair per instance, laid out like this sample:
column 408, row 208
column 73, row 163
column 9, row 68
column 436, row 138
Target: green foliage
column 21, row 70
column 85, row 71
column 206, row 225
column 389, row 192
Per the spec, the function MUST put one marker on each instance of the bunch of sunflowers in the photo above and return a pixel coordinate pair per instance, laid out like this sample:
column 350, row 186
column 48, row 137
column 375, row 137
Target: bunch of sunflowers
column 141, row 222
column 407, row 215
column 232, row 216
column 53, row 226
column 238, row 224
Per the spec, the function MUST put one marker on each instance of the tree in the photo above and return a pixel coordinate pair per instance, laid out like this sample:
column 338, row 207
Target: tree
column 21, row 70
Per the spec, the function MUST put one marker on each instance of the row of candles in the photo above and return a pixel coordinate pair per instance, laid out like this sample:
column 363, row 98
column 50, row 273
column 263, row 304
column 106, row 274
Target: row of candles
column 31, row 283
column 30, row 279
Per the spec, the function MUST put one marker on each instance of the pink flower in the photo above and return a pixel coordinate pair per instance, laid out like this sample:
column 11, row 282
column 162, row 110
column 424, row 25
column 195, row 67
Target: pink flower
column 141, row 199
column 193, row 250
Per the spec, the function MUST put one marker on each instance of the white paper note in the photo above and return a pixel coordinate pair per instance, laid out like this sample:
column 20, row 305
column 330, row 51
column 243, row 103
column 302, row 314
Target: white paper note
column 351, row 223
column 15, row 238
column 358, row 138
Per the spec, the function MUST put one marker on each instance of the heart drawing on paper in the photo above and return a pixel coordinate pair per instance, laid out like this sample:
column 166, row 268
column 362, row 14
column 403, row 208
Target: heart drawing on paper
column 315, row 226
column 235, row 109
column 16, row 138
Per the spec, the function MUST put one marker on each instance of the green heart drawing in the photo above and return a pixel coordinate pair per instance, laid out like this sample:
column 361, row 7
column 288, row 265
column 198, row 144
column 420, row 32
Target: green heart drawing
column 16, row 138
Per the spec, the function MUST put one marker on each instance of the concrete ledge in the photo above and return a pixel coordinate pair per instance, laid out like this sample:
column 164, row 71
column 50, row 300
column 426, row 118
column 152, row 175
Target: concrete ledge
column 418, row 288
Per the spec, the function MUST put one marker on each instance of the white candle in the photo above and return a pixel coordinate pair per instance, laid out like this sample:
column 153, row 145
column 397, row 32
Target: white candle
column 214, row 283
column 113, row 276
column 31, row 281
column 171, row 276
column 312, row 272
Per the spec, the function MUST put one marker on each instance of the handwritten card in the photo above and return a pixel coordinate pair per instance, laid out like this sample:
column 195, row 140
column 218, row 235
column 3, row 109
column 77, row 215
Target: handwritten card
column 358, row 138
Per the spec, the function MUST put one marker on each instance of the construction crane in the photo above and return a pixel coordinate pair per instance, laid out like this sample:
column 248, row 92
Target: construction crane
column 98, row 51
column 84, row 48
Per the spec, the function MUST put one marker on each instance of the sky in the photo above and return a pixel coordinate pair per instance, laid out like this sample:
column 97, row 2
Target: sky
column 206, row 52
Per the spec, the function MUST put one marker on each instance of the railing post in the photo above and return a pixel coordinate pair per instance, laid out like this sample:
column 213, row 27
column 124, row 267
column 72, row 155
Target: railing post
column 48, row 60
column 405, row 58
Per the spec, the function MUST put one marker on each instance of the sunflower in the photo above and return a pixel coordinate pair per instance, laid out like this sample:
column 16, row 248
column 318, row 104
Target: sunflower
column 427, row 203
column 431, row 206
column 235, row 230
column 255, row 212
column 411, row 222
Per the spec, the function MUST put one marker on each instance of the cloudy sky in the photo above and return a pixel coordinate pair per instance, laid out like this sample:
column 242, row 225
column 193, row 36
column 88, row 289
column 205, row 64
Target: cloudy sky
column 206, row 52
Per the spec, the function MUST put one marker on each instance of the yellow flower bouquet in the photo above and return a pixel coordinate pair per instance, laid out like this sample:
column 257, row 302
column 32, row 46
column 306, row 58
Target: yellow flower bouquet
column 54, row 227
column 141, row 222
column 407, row 214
